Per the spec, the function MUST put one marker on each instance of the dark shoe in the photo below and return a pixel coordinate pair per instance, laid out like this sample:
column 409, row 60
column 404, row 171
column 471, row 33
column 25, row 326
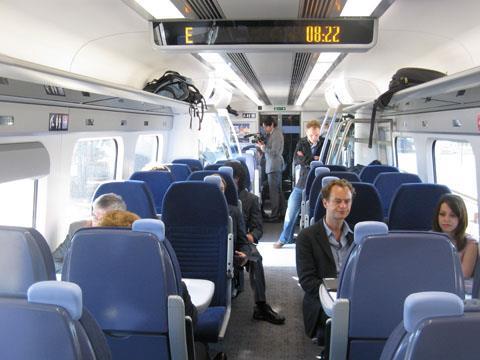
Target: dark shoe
column 266, row 313
column 220, row 356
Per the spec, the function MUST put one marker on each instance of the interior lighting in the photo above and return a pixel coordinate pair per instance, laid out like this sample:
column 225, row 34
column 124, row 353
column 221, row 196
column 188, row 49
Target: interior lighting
column 161, row 9
column 359, row 7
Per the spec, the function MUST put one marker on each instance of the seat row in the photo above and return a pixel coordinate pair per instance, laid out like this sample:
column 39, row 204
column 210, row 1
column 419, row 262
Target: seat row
column 382, row 271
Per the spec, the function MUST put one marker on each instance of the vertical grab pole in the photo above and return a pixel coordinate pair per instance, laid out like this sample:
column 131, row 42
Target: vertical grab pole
column 330, row 127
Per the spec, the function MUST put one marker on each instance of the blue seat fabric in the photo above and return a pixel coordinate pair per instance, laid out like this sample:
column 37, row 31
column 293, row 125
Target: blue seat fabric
column 193, row 164
column 124, row 278
column 336, row 168
column 136, row 194
column 413, row 206
column 231, row 193
column 379, row 274
column 388, row 183
column 370, row 172
column 158, row 182
column 180, row 172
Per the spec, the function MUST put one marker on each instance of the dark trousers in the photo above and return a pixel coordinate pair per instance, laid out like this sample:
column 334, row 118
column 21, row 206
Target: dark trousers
column 277, row 200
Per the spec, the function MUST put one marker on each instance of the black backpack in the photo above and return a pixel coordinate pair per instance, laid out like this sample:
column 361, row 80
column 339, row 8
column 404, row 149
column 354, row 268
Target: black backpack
column 402, row 79
column 179, row 87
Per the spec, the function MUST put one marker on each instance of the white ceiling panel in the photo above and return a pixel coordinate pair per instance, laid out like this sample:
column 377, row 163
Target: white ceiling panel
column 259, row 9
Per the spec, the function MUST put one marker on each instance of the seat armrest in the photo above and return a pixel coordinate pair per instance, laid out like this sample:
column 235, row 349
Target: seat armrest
column 339, row 333
column 327, row 299
column 176, row 328
column 190, row 339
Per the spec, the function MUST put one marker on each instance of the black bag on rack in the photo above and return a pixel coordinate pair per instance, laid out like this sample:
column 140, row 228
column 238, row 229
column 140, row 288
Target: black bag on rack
column 178, row 87
column 402, row 79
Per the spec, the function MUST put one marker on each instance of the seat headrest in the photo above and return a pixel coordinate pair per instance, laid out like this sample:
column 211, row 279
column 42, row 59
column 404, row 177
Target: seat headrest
column 226, row 170
column 213, row 179
column 428, row 304
column 327, row 179
column 62, row 293
column 321, row 170
column 315, row 163
column 153, row 226
column 366, row 228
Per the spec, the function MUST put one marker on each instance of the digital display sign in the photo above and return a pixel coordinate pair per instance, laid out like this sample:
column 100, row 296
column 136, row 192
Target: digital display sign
column 355, row 34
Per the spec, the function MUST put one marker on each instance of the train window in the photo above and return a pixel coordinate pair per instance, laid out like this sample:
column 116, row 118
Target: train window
column 454, row 164
column 146, row 151
column 217, row 139
column 94, row 161
column 18, row 202
column 406, row 155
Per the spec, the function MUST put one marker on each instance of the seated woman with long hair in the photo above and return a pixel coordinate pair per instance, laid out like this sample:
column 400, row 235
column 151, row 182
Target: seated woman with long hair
column 451, row 218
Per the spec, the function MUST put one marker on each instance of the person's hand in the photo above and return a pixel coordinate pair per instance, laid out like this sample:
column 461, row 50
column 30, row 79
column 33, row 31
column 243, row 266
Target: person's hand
column 300, row 154
column 250, row 238
column 240, row 258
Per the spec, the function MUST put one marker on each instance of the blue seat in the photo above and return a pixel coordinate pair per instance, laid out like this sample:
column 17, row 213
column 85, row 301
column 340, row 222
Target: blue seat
column 370, row 172
column 197, row 224
column 231, row 193
column 366, row 205
column 193, row 164
column 413, row 206
column 46, row 325
column 336, row 168
column 136, row 194
column 316, row 168
column 388, row 183
column 212, row 167
column 158, row 182
column 25, row 258
column 180, row 172
column 243, row 161
column 436, row 325
column 380, row 272
column 128, row 283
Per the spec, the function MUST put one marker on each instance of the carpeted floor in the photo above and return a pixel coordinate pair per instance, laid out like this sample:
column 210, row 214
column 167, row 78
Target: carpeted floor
column 250, row 339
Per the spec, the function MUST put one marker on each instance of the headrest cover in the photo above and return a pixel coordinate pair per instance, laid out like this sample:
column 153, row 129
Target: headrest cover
column 424, row 305
column 213, row 179
column 327, row 179
column 250, row 151
column 65, row 294
column 156, row 227
column 315, row 163
column 321, row 170
column 226, row 170
column 366, row 228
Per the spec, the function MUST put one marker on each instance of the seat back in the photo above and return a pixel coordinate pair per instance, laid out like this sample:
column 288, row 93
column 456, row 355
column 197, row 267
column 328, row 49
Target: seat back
column 193, row 164
column 436, row 325
column 136, row 194
column 336, row 168
column 180, row 172
column 410, row 262
column 250, row 165
column 25, row 258
column 231, row 193
column 370, row 172
column 388, row 183
column 46, row 326
column 413, row 206
column 311, row 176
column 214, row 167
column 366, row 205
column 126, row 281
column 158, row 182
column 196, row 223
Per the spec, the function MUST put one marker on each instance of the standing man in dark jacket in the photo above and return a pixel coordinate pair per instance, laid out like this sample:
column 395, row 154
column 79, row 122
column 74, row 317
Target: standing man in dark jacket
column 308, row 149
column 274, row 163
column 321, row 251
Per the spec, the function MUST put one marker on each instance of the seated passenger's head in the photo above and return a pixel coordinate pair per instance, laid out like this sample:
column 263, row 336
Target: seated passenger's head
column 118, row 218
column 104, row 204
column 223, row 184
column 451, row 216
column 239, row 174
column 337, row 198
column 155, row 167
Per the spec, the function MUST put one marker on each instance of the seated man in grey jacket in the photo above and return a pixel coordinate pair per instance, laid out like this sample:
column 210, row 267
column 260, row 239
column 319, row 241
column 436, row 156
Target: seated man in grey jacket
column 100, row 206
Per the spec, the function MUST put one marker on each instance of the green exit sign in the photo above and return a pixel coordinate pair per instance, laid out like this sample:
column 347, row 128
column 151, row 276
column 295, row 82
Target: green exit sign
column 279, row 108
